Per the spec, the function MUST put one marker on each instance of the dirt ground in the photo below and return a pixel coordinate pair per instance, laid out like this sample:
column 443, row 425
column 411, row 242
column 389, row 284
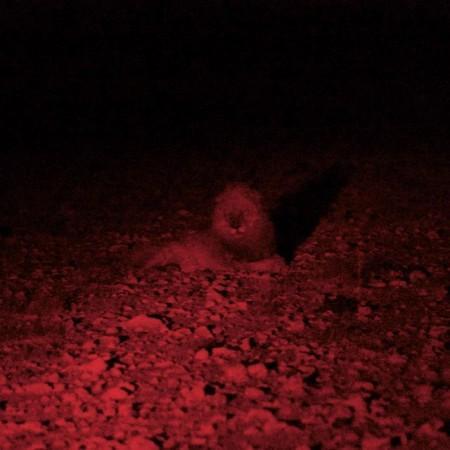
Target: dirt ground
column 346, row 350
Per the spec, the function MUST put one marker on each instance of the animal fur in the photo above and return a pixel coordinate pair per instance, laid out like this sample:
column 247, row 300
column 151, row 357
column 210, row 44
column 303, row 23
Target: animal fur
column 241, row 235
column 241, row 223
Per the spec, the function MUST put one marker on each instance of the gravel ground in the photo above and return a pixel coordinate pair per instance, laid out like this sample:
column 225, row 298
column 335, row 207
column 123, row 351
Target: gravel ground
column 347, row 350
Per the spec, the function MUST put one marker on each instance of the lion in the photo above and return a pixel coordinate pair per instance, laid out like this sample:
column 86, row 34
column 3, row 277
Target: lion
column 240, row 236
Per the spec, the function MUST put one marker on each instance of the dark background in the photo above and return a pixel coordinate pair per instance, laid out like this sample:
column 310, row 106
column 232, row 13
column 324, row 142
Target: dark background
column 165, row 72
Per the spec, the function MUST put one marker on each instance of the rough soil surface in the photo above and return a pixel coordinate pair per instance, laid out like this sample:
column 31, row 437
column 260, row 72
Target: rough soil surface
column 347, row 350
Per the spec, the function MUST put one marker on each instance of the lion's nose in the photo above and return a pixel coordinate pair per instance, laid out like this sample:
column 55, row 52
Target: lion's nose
column 235, row 220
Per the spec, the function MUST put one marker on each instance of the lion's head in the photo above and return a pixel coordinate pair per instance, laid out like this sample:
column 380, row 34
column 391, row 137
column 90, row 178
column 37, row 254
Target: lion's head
column 242, row 224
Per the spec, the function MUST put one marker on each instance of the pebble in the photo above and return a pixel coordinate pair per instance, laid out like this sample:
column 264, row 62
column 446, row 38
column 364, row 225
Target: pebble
column 223, row 352
column 36, row 389
column 423, row 393
column 194, row 394
column 94, row 367
column 397, row 359
column 206, row 429
column 115, row 393
column 398, row 283
column 429, row 429
column 257, row 370
column 201, row 355
column 417, row 275
column 293, row 385
column 363, row 312
column 297, row 325
column 253, row 393
column 140, row 443
column 236, row 373
column 358, row 404
column 371, row 442
column 144, row 323
column 203, row 332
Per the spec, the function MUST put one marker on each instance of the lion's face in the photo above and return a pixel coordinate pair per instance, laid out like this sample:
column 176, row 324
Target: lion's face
column 241, row 223
column 237, row 220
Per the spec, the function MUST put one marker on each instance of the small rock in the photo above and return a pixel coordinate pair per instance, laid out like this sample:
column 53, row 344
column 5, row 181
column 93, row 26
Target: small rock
column 423, row 393
column 236, row 373
column 201, row 355
column 253, row 393
column 397, row 282
column 259, row 415
column 115, row 393
column 206, row 429
column 357, row 402
column 194, row 394
column 141, row 443
column 223, row 352
column 397, row 359
column 293, row 385
column 429, row 429
column 37, row 389
column 203, row 332
column 370, row 442
column 433, row 235
column 94, row 367
column 257, row 370
column 144, row 323
column 363, row 312
column 417, row 275
column 297, row 325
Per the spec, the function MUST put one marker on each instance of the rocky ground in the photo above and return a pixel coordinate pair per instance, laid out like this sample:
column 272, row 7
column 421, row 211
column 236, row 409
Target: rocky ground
column 347, row 350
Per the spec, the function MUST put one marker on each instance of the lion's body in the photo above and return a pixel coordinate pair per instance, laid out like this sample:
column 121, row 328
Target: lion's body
column 240, row 235
column 197, row 251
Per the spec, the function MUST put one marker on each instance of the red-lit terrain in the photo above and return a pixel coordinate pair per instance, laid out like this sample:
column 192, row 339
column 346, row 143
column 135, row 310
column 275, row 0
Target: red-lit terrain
column 347, row 350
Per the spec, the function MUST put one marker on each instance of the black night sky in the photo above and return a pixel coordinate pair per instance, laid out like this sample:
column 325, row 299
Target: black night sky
column 224, row 224
column 172, row 71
